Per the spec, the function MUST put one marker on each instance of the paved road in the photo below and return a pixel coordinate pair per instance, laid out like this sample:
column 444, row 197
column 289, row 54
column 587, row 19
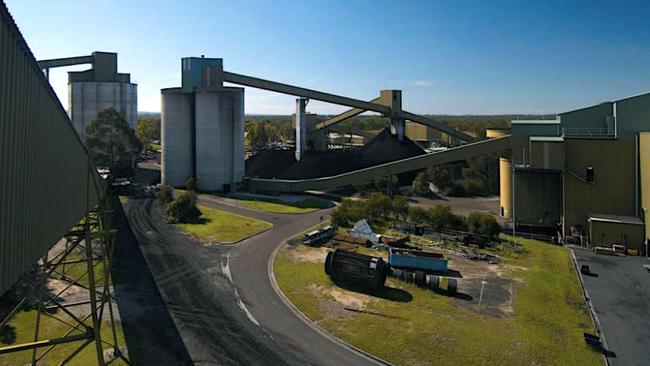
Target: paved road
column 221, row 299
column 620, row 294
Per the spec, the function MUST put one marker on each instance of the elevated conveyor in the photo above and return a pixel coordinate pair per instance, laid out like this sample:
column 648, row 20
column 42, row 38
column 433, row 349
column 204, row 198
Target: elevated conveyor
column 47, row 183
column 383, row 170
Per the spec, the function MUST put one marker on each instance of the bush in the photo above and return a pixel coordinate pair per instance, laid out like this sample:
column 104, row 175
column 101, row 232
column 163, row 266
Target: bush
column 484, row 224
column 348, row 212
column 420, row 186
column 165, row 195
column 438, row 216
column 190, row 184
column 182, row 210
column 454, row 190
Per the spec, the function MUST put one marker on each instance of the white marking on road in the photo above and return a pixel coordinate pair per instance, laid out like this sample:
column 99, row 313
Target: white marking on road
column 245, row 309
column 226, row 270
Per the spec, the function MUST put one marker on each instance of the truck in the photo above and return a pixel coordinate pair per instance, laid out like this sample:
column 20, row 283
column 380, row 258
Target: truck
column 416, row 260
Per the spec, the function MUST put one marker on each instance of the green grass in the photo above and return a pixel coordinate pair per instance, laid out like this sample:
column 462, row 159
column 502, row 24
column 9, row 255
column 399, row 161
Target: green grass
column 545, row 328
column 279, row 206
column 219, row 226
column 23, row 323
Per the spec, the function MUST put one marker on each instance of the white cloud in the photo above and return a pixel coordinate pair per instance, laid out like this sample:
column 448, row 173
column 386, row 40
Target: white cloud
column 423, row 82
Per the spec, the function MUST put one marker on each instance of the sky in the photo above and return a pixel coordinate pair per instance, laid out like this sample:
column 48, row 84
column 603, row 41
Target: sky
column 448, row 57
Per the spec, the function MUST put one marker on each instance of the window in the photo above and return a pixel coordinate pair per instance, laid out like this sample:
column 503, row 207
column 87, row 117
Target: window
column 590, row 174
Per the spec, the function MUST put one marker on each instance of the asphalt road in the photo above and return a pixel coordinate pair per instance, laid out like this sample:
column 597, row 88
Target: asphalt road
column 620, row 293
column 221, row 299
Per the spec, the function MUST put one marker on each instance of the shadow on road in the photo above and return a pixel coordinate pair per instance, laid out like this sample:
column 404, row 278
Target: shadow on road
column 150, row 333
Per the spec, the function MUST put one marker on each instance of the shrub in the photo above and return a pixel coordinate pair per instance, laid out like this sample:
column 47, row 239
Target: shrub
column 348, row 212
column 484, row 224
column 165, row 195
column 454, row 190
column 183, row 209
column 190, row 184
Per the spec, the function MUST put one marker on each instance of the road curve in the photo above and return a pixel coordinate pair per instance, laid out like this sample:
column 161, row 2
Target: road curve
column 221, row 298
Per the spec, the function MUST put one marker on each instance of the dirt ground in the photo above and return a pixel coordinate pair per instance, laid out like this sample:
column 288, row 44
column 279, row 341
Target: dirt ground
column 496, row 300
column 465, row 205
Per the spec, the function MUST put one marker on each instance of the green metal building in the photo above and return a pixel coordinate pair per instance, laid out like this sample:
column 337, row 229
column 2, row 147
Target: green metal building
column 586, row 173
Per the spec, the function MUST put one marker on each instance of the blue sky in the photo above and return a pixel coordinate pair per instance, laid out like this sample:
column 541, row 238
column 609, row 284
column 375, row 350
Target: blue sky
column 449, row 57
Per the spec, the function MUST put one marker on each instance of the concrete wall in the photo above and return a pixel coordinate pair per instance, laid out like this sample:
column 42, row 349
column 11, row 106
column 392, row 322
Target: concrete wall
column 177, row 137
column 607, row 233
column 613, row 189
column 219, row 116
column 86, row 99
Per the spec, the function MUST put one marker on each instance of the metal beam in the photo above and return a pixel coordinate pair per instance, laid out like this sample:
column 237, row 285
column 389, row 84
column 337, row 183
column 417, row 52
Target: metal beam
column 437, row 125
column 303, row 92
column 67, row 61
column 383, row 170
column 343, row 116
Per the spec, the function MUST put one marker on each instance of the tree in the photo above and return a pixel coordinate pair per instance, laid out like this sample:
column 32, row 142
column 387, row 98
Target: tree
column 348, row 212
column 377, row 205
column 420, row 186
column 400, row 207
column 418, row 215
column 112, row 143
column 148, row 130
column 183, row 209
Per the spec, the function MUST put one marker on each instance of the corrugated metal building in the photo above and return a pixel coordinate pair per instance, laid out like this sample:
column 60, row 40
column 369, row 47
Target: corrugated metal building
column 44, row 169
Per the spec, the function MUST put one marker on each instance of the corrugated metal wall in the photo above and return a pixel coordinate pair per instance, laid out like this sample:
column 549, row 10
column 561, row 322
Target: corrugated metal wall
column 43, row 164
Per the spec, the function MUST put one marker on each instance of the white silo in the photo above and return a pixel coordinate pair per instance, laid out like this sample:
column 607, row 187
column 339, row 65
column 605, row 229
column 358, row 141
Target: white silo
column 219, row 118
column 176, row 137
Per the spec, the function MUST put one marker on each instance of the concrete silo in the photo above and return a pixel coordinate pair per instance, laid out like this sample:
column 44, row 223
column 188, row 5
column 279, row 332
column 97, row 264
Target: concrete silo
column 203, row 128
column 101, row 87
column 219, row 117
column 177, row 136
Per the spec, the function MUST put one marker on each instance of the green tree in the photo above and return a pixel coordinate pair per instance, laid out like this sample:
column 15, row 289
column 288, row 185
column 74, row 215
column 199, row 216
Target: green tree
column 183, row 209
column 112, row 143
column 348, row 212
column 418, row 215
column 401, row 207
column 147, row 130
column 420, row 186
column 377, row 205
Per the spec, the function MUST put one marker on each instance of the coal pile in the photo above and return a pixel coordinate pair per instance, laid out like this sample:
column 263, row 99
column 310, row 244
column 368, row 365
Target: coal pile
column 281, row 164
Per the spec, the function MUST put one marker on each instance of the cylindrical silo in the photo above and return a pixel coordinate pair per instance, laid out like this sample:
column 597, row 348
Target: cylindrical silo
column 505, row 188
column 219, row 117
column 176, row 131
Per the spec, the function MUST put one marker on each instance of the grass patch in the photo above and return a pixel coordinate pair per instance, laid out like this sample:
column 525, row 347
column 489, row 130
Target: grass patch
column 219, row 226
column 545, row 329
column 274, row 205
column 21, row 330
column 124, row 200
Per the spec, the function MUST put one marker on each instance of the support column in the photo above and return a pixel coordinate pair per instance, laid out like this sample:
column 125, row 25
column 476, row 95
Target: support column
column 301, row 127
column 393, row 98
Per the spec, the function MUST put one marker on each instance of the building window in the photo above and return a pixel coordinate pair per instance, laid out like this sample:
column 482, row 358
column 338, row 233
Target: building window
column 590, row 174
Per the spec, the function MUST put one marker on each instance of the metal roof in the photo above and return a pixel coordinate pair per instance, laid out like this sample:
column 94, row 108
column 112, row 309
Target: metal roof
column 616, row 219
column 547, row 138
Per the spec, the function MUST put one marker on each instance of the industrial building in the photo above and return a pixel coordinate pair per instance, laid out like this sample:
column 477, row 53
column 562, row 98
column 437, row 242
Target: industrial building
column 586, row 173
column 203, row 128
column 96, row 89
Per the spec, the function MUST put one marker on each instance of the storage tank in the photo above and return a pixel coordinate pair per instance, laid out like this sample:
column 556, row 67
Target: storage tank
column 492, row 133
column 87, row 98
column 505, row 188
column 219, row 116
column 176, row 137
column 356, row 269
